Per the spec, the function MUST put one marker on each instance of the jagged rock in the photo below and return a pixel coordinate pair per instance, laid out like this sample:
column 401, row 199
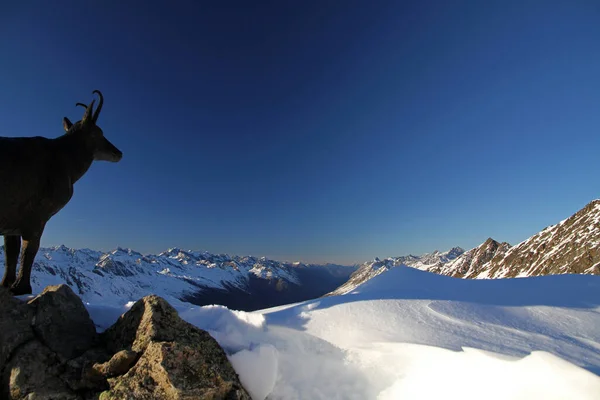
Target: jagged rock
column 570, row 247
column 474, row 261
column 178, row 360
column 62, row 322
column 149, row 319
column 48, row 352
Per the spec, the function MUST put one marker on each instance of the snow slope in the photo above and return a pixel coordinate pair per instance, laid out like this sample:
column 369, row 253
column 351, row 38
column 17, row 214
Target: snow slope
column 412, row 334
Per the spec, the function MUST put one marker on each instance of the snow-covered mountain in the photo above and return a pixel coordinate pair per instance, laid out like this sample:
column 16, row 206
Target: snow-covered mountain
column 370, row 269
column 569, row 247
column 242, row 282
column 474, row 261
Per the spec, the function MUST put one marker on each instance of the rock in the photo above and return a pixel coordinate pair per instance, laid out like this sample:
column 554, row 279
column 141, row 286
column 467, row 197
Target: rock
column 80, row 375
column 62, row 322
column 119, row 364
column 39, row 342
column 34, row 371
column 49, row 350
column 15, row 325
column 178, row 360
column 149, row 319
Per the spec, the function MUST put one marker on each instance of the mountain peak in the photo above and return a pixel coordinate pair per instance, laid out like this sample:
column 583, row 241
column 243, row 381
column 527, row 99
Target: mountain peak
column 592, row 207
column 454, row 252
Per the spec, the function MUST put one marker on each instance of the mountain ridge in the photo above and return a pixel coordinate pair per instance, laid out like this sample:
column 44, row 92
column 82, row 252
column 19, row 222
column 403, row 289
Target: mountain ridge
column 200, row 277
column 371, row 269
column 571, row 246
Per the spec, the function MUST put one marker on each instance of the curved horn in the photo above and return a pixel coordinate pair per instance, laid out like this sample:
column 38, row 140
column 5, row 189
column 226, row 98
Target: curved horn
column 100, row 103
column 81, row 104
column 88, row 111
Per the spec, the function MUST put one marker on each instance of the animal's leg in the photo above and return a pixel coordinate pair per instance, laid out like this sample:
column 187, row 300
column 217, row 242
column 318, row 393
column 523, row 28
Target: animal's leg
column 12, row 245
column 31, row 244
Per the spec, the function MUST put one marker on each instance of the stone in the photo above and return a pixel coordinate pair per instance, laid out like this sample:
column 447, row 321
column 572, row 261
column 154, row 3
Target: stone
column 62, row 322
column 15, row 325
column 80, row 375
column 119, row 364
column 178, row 360
column 49, row 350
column 149, row 319
column 33, row 373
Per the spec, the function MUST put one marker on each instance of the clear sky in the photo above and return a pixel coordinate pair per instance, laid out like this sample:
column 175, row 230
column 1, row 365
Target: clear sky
column 315, row 130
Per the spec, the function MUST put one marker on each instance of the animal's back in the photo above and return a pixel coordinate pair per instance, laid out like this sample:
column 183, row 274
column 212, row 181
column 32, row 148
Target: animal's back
column 21, row 158
column 26, row 180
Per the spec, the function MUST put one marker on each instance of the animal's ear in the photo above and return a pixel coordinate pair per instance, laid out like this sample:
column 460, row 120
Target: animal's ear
column 67, row 124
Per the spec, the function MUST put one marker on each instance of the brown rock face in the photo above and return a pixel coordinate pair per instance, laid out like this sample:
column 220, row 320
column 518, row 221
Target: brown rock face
column 474, row 261
column 62, row 322
column 49, row 350
column 569, row 247
column 119, row 364
column 178, row 360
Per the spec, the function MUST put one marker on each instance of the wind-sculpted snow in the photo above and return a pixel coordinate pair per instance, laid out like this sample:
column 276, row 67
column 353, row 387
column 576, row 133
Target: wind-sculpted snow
column 411, row 334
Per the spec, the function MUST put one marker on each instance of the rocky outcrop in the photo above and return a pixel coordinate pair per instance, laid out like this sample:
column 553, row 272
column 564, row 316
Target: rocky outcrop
column 570, row 247
column 176, row 359
column 49, row 349
column 474, row 261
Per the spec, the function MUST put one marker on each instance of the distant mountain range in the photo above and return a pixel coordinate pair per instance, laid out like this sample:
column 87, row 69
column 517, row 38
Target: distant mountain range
column 242, row 283
column 570, row 247
column 248, row 283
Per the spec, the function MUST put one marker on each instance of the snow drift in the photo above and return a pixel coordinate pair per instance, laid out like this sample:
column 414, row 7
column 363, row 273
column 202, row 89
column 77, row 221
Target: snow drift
column 415, row 335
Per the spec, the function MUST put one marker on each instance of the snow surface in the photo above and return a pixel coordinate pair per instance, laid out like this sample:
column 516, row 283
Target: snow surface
column 412, row 334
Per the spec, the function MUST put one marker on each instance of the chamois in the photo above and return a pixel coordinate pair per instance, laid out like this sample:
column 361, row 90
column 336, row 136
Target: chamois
column 37, row 175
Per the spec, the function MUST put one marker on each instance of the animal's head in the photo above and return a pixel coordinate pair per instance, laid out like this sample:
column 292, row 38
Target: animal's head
column 91, row 134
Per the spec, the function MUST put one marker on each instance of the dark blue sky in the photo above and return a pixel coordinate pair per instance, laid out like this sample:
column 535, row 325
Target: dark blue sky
column 320, row 131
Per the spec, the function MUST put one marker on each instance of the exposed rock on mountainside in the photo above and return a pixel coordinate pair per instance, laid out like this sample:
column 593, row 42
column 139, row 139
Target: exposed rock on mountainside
column 49, row 350
column 474, row 261
column 243, row 283
column 569, row 247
